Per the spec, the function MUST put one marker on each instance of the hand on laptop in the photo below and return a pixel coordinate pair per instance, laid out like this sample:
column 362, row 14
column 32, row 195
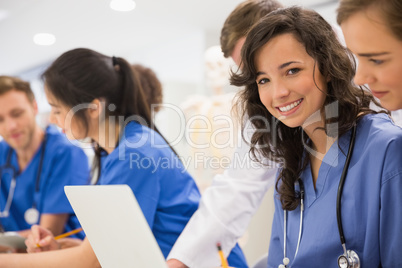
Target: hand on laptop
column 40, row 239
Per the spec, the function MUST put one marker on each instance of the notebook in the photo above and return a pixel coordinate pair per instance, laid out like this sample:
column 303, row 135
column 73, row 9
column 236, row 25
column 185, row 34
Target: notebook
column 115, row 226
column 13, row 240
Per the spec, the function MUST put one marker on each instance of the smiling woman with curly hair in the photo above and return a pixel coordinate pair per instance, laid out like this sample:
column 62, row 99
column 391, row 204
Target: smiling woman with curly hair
column 297, row 75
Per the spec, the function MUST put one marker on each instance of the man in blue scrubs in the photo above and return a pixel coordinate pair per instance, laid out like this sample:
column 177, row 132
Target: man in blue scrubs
column 35, row 165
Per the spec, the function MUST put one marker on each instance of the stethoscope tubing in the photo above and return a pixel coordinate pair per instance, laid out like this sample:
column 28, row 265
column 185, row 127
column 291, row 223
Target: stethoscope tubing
column 8, row 165
column 342, row 183
column 338, row 199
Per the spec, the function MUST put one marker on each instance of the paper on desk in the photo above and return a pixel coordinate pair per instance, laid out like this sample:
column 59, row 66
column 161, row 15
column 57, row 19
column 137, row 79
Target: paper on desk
column 12, row 239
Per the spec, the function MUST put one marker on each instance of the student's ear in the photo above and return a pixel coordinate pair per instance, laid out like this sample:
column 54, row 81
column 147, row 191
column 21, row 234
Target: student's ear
column 95, row 109
column 328, row 77
column 35, row 107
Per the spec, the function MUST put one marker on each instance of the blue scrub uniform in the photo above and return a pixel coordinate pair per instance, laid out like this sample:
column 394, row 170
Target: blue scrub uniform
column 371, row 203
column 166, row 193
column 63, row 164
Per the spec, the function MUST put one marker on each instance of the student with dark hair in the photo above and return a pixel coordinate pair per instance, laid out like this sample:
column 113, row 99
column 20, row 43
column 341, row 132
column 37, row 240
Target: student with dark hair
column 373, row 32
column 152, row 88
column 96, row 96
column 35, row 164
column 339, row 188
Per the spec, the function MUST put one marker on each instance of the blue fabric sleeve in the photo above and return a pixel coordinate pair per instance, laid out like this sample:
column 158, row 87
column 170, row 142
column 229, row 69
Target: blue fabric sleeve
column 391, row 208
column 67, row 166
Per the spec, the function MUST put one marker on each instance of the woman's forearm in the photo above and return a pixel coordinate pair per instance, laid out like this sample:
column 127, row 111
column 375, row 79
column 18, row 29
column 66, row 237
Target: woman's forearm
column 79, row 256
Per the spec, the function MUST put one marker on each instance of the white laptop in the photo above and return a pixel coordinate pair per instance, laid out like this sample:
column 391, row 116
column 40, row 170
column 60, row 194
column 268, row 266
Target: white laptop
column 115, row 226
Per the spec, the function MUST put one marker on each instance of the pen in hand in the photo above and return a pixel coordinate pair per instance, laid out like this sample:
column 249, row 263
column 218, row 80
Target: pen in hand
column 223, row 259
column 65, row 235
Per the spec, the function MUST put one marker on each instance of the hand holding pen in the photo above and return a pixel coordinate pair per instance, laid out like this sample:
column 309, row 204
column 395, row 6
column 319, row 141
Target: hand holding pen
column 41, row 239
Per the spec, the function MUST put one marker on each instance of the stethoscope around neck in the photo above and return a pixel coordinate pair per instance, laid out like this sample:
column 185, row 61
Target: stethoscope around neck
column 349, row 258
column 31, row 215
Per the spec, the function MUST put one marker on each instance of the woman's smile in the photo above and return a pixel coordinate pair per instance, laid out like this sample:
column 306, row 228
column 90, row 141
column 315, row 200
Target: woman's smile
column 289, row 108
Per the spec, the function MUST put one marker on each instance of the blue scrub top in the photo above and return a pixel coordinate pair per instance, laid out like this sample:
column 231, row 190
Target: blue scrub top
column 166, row 193
column 371, row 203
column 63, row 164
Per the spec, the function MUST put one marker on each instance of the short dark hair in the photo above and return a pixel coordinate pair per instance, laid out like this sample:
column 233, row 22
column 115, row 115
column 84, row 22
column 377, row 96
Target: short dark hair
column 241, row 19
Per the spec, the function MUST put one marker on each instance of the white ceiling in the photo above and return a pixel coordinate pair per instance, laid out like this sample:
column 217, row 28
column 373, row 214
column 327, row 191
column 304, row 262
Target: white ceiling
column 91, row 23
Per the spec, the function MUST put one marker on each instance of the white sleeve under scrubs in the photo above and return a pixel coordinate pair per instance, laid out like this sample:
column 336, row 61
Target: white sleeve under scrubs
column 63, row 164
column 166, row 193
column 371, row 203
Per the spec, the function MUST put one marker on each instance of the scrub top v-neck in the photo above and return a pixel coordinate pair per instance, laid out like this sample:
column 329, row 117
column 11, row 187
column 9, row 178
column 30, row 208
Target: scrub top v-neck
column 372, row 196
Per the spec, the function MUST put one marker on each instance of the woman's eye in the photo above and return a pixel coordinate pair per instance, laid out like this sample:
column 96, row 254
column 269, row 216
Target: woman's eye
column 293, row 71
column 376, row 62
column 262, row 81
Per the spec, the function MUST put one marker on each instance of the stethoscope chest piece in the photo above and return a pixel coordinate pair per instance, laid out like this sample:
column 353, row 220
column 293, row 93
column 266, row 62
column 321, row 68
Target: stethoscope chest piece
column 31, row 216
column 350, row 260
column 285, row 263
